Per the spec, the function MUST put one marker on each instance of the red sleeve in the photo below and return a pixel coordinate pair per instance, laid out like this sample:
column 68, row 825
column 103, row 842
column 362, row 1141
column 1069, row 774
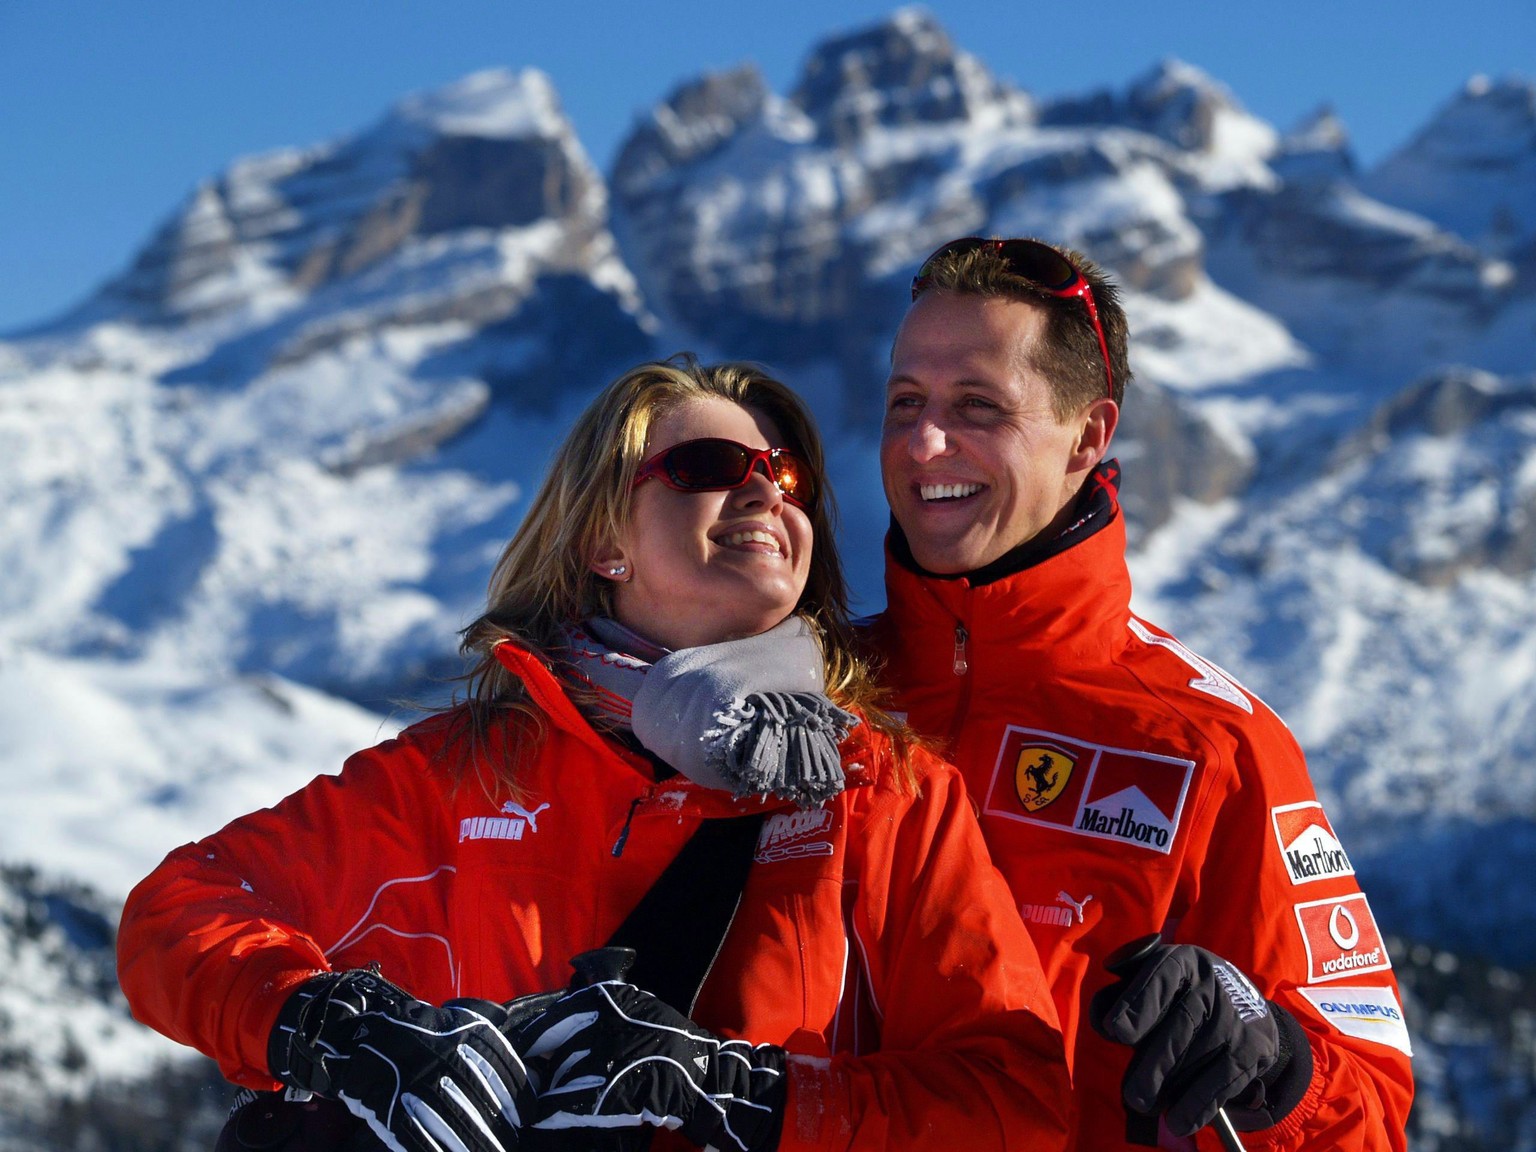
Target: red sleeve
column 1273, row 895
column 213, row 940
column 970, row 1053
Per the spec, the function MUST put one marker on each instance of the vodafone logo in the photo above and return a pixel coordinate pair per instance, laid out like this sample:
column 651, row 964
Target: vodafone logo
column 1341, row 938
column 1343, row 928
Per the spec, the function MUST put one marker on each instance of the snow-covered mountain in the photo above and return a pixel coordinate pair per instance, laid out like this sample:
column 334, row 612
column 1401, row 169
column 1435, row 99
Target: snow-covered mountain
column 251, row 488
column 1472, row 169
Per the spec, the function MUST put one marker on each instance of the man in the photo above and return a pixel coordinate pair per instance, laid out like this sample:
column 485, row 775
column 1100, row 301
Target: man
column 1126, row 786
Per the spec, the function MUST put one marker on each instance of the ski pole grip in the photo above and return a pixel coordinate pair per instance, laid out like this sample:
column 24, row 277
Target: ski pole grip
column 599, row 965
column 1140, row 1129
column 1124, row 961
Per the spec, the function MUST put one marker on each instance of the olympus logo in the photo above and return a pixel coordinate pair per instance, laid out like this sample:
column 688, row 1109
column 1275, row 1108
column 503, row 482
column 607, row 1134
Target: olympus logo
column 1365, row 1011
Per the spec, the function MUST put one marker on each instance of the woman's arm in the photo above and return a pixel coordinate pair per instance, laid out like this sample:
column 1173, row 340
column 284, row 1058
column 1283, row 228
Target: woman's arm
column 216, row 938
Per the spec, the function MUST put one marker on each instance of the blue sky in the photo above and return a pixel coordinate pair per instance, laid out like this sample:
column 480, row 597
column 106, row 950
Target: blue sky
column 111, row 112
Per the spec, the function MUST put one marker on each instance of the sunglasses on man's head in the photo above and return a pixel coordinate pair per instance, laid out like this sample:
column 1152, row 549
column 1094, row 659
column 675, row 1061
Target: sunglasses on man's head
column 1040, row 264
column 714, row 465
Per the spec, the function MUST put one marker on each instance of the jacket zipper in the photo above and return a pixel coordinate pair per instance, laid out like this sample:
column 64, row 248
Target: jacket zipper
column 962, row 669
column 618, row 845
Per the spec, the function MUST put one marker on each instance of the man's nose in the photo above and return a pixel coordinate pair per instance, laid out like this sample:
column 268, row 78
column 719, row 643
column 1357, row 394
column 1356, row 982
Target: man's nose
column 928, row 440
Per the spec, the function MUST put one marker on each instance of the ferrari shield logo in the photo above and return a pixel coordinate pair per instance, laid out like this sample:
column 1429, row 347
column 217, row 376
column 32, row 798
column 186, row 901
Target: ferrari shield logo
column 1086, row 789
column 1040, row 774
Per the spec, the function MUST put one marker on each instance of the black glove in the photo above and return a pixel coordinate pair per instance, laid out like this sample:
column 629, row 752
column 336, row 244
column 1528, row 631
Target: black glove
column 1204, row 1038
column 425, row 1079
column 611, row 1056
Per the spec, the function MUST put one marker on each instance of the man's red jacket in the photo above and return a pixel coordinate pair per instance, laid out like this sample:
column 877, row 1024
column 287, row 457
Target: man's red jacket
column 874, row 939
column 1126, row 786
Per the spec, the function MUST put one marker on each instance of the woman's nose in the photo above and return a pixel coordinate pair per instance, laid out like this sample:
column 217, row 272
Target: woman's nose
column 760, row 488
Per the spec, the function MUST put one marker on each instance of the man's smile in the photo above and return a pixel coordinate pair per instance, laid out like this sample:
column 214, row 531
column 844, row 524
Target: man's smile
column 948, row 491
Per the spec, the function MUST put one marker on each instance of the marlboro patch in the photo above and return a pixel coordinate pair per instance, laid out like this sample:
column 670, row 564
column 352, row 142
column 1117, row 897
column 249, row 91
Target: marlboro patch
column 1134, row 798
column 1307, row 843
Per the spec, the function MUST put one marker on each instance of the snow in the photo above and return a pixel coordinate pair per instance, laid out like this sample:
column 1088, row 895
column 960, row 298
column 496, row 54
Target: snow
column 110, row 765
column 495, row 103
column 1240, row 144
column 219, row 534
column 1207, row 340
column 1320, row 131
column 85, row 481
column 1472, row 169
column 1135, row 195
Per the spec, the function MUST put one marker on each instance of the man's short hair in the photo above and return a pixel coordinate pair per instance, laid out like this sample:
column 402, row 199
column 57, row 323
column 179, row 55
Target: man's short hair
column 1069, row 355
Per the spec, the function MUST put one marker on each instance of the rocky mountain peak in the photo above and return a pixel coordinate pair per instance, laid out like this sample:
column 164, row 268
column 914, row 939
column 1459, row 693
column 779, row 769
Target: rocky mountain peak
column 694, row 121
column 900, row 72
column 1181, row 104
column 491, row 151
column 1472, row 168
column 1446, row 460
column 496, row 103
column 1488, row 121
column 1316, row 150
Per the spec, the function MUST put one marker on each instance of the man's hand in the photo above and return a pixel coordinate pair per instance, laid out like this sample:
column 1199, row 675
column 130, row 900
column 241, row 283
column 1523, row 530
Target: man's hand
column 425, row 1079
column 611, row 1056
column 1204, row 1038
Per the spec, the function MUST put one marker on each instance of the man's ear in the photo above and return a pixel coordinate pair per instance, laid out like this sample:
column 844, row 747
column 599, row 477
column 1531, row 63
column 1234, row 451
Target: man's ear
column 1096, row 429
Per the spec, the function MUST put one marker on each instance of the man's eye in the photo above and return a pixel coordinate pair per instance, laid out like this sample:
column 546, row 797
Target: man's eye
column 899, row 402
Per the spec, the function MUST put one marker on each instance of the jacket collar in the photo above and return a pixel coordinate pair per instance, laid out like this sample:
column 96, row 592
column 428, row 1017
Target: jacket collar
column 1059, row 613
column 549, row 694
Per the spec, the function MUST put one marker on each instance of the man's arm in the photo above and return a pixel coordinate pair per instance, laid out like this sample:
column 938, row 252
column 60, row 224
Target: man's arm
column 1275, row 897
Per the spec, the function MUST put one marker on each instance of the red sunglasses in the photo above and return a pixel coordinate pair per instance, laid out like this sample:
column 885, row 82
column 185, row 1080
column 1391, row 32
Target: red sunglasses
column 1040, row 264
column 714, row 465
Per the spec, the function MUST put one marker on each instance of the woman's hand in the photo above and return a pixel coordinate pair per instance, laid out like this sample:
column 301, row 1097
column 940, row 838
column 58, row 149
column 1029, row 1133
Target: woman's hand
column 612, row 1056
column 423, row 1078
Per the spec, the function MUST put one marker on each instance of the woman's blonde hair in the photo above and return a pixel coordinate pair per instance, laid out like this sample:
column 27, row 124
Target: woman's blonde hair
column 544, row 581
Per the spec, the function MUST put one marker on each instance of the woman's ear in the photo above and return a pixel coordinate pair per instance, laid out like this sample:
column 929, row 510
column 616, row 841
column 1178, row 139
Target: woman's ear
column 612, row 566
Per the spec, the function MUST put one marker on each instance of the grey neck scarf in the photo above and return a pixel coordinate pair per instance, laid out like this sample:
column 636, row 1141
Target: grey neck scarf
column 746, row 716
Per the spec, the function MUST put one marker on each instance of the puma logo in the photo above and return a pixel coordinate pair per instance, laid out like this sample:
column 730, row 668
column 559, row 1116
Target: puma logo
column 513, row 808
column 1076, row 905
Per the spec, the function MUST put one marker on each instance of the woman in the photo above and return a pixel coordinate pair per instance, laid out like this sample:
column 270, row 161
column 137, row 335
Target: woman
column 666, row 658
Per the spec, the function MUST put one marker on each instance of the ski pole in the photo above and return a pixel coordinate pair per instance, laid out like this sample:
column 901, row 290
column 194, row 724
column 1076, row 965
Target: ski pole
column 1124, row 961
